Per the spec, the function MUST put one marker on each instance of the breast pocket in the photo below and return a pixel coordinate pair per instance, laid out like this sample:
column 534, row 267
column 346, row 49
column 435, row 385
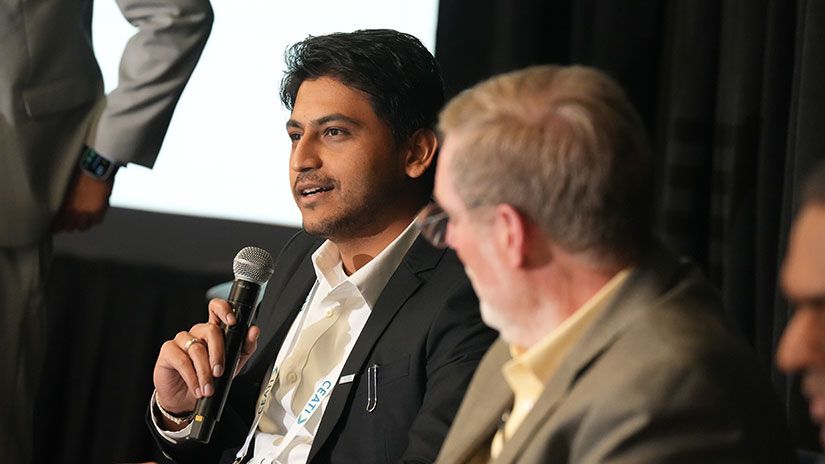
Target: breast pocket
column 381, row 377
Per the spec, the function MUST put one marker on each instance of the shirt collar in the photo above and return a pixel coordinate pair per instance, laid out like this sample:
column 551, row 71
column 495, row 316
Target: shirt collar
column 371, row 278
column 541, row 360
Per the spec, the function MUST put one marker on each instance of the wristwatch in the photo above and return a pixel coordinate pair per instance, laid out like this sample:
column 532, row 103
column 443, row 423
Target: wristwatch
column 97, row 166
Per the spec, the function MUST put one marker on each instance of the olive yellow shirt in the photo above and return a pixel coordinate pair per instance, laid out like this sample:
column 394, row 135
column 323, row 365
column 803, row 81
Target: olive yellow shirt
column 530, row 369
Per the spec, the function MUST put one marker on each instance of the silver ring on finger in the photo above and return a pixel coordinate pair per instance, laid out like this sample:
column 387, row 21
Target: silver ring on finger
column 190, row 342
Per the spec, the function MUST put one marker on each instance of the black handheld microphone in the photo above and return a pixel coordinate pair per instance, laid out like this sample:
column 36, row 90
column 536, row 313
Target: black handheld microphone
column 252, row 267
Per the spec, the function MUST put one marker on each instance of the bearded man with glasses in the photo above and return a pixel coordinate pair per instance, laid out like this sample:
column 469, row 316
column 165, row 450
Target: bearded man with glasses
column 611, row 349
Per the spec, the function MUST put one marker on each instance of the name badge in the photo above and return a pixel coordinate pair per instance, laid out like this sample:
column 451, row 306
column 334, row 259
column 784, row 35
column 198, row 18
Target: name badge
column 346, row 379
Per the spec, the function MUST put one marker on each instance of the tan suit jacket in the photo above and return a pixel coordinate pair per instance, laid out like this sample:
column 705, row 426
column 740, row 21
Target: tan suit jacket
column 659, row 377
column 52, row 101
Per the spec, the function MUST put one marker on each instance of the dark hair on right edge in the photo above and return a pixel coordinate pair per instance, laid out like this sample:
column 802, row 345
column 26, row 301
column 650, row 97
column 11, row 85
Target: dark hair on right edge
column 813, row 190
column 396, row 71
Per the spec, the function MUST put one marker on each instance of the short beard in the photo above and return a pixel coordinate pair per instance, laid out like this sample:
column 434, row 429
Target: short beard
column 349, row 224
column 363, row 219
column 492, row 316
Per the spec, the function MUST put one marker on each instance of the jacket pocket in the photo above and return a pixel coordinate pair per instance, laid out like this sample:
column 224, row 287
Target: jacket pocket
column 393, row 370
column 59, row 96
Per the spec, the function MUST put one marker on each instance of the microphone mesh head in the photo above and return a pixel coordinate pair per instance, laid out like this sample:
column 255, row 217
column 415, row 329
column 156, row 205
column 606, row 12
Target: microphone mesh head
column 253, row 264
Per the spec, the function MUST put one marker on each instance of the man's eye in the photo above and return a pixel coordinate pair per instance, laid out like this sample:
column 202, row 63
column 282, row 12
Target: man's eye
column 295, row 136
column 334, row 131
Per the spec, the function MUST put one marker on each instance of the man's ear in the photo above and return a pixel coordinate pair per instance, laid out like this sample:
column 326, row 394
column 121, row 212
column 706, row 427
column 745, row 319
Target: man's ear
column 421, row 148
column 510, row 235
column 518, row 239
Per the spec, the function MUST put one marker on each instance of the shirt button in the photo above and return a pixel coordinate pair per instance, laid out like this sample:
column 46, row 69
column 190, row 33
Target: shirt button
column 292, row 377
column 328, row 314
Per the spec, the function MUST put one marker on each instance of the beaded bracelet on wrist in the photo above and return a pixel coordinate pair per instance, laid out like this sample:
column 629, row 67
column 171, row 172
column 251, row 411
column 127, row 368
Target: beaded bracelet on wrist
column 177, row 419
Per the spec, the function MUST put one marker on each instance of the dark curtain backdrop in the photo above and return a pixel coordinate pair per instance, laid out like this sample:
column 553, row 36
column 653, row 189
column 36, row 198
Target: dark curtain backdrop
column 103, row 342
column 733, row 95
column 116, row 293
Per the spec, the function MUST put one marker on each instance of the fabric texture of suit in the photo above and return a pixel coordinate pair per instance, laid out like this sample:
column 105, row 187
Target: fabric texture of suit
column 425, row 334
column 659, row 377
column 52, row 105
column 52, row 101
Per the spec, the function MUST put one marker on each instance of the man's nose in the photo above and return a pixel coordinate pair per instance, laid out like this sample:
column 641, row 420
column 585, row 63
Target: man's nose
column 803, row 343
column 304, row 156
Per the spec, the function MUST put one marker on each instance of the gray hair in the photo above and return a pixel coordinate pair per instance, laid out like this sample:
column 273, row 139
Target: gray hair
column 562, row 145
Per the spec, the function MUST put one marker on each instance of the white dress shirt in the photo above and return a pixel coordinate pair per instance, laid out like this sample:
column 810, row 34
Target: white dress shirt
column 352, row 298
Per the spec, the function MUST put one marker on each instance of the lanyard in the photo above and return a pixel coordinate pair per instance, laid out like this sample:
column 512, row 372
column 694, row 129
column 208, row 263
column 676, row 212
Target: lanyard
column 321, row 391
column 273, row 379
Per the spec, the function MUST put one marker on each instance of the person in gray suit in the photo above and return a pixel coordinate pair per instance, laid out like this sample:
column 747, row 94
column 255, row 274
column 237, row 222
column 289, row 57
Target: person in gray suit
column 61, row 141
column 611, row 349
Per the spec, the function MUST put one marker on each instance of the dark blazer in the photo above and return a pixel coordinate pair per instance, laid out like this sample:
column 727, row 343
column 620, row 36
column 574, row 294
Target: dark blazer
column 425, row 333
column 659, row 377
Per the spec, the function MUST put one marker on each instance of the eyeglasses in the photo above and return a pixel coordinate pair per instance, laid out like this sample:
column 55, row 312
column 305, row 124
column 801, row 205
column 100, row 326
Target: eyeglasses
column 432, row 222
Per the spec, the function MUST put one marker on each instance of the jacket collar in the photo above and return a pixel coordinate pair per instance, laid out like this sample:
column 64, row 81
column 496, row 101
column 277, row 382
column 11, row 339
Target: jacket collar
column 657, row 271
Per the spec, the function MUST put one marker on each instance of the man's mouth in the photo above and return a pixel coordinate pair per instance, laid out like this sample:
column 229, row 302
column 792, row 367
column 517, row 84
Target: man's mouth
column 308, row 192
column 816, row 409
column 813, row 388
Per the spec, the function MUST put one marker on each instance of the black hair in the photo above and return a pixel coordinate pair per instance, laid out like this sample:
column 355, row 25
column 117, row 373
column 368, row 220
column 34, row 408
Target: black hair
column 395, row 70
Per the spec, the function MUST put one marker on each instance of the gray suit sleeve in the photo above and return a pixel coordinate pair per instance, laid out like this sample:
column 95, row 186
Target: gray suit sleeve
column 155, row 66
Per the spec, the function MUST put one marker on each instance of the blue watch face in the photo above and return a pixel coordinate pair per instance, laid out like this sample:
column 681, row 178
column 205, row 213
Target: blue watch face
column 96, row 164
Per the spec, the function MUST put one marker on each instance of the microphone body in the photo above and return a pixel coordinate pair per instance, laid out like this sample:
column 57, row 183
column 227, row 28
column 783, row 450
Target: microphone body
column 243, row 298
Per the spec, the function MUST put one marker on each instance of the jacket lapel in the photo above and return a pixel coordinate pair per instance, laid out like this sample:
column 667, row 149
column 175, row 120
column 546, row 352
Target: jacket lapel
column 404, row 282
column 637, row 296
column 479, row 416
